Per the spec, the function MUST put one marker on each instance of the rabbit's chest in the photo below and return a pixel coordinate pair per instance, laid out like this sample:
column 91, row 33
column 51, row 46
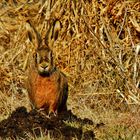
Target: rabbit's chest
column 45, row 90
column 45, row 86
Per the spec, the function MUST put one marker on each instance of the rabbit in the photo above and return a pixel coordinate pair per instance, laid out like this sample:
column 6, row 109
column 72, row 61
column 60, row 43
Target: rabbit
column 47, row 85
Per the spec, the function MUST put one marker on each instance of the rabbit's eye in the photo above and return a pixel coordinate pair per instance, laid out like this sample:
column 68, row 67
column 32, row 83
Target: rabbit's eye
column 37, row 58
column 50, row 55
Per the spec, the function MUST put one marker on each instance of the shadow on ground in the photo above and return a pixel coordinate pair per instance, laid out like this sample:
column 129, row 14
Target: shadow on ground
column 23, row 124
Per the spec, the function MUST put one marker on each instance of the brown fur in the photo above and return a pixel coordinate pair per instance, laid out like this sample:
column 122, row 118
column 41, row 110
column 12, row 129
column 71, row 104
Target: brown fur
column 47, row 86
column 48, row 92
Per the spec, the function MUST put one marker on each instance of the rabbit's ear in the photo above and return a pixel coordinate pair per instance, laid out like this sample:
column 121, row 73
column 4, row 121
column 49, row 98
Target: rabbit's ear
column 56, row 29
column 32, row 30
column 52, row 33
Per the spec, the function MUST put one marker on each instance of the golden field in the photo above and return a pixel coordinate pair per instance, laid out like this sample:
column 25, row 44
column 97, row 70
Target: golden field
column 98, row 48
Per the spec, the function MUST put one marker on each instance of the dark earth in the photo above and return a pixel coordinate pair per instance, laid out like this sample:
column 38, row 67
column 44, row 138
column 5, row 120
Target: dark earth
column 23, row 125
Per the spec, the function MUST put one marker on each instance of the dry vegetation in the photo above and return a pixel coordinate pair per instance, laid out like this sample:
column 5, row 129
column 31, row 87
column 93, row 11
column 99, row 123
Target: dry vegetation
column 98, row 49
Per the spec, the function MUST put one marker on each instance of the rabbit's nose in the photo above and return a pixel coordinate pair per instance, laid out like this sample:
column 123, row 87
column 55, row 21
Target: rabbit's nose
column 44, row 65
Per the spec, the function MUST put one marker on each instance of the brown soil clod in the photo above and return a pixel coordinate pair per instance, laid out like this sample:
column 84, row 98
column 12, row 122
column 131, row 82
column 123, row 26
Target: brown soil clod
column 20, row 123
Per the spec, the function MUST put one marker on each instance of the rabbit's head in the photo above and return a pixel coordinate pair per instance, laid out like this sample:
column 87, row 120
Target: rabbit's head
column 44, row 61
column 43, row 56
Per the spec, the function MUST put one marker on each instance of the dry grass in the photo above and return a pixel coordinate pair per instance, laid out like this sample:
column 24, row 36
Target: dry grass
column 98, row 49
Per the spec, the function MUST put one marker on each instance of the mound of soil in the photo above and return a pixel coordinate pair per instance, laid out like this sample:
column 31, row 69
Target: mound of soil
column 22, row 124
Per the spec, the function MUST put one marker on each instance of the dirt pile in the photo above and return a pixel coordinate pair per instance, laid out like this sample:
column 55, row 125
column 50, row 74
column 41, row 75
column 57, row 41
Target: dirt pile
column 23, row 124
